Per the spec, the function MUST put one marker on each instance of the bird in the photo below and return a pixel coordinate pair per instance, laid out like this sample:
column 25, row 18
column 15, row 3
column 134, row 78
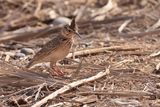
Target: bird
column 57, row 48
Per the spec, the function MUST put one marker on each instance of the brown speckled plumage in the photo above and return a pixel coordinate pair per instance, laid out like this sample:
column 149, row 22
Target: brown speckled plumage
column 57, row 48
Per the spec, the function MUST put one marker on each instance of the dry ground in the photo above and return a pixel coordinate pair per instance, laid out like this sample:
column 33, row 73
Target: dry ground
column 120, row 48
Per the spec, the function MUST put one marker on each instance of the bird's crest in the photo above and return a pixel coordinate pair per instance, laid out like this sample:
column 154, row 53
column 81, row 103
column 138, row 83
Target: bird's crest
column 73, row 25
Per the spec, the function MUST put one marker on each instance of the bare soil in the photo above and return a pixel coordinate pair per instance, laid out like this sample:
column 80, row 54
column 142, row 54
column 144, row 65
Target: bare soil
column 120, row 36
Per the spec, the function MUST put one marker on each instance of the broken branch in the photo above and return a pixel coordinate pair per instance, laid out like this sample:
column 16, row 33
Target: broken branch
column 69, row 87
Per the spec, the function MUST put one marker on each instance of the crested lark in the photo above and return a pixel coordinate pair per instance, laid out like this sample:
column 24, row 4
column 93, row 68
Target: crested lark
column 56, row 49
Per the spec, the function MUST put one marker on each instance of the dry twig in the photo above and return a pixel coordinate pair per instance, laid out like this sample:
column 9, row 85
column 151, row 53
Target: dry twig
column 101, row 50
column 118, row 93
column 121, row 28
column 140, row 34
column 69, row 87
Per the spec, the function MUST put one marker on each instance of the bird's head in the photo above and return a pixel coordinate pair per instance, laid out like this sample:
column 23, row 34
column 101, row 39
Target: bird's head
column 70, row 30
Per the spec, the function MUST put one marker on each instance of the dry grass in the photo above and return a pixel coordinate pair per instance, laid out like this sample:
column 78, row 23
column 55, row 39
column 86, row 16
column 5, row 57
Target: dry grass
column 123, row 38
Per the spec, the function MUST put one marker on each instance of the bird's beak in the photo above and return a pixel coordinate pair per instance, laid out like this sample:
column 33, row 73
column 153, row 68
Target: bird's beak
column 78, row 34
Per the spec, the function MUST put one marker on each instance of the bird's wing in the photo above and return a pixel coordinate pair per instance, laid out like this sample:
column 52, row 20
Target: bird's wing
column 47, row 49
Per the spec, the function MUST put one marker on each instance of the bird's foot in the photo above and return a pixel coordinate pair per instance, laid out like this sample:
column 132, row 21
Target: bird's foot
column 56, row 71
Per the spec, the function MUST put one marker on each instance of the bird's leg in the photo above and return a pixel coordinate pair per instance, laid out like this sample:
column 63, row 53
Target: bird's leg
column 56, row 70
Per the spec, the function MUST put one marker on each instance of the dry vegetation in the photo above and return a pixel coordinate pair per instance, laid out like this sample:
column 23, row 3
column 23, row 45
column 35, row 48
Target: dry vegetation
column 115, row 64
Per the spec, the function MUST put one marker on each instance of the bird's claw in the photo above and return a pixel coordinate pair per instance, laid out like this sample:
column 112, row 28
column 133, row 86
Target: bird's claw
column 56, row 71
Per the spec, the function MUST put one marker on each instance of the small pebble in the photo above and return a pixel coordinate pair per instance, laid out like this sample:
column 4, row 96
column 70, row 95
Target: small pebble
column 61, row 21
column 27, row 51
column 86, row 44
column 7, row 58
column 101, row 44
column 19, row 55
column 52, row 14
column 77, row 60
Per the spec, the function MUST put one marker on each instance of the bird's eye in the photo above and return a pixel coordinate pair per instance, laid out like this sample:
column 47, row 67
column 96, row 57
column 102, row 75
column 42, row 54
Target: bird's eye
column 69, row 30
